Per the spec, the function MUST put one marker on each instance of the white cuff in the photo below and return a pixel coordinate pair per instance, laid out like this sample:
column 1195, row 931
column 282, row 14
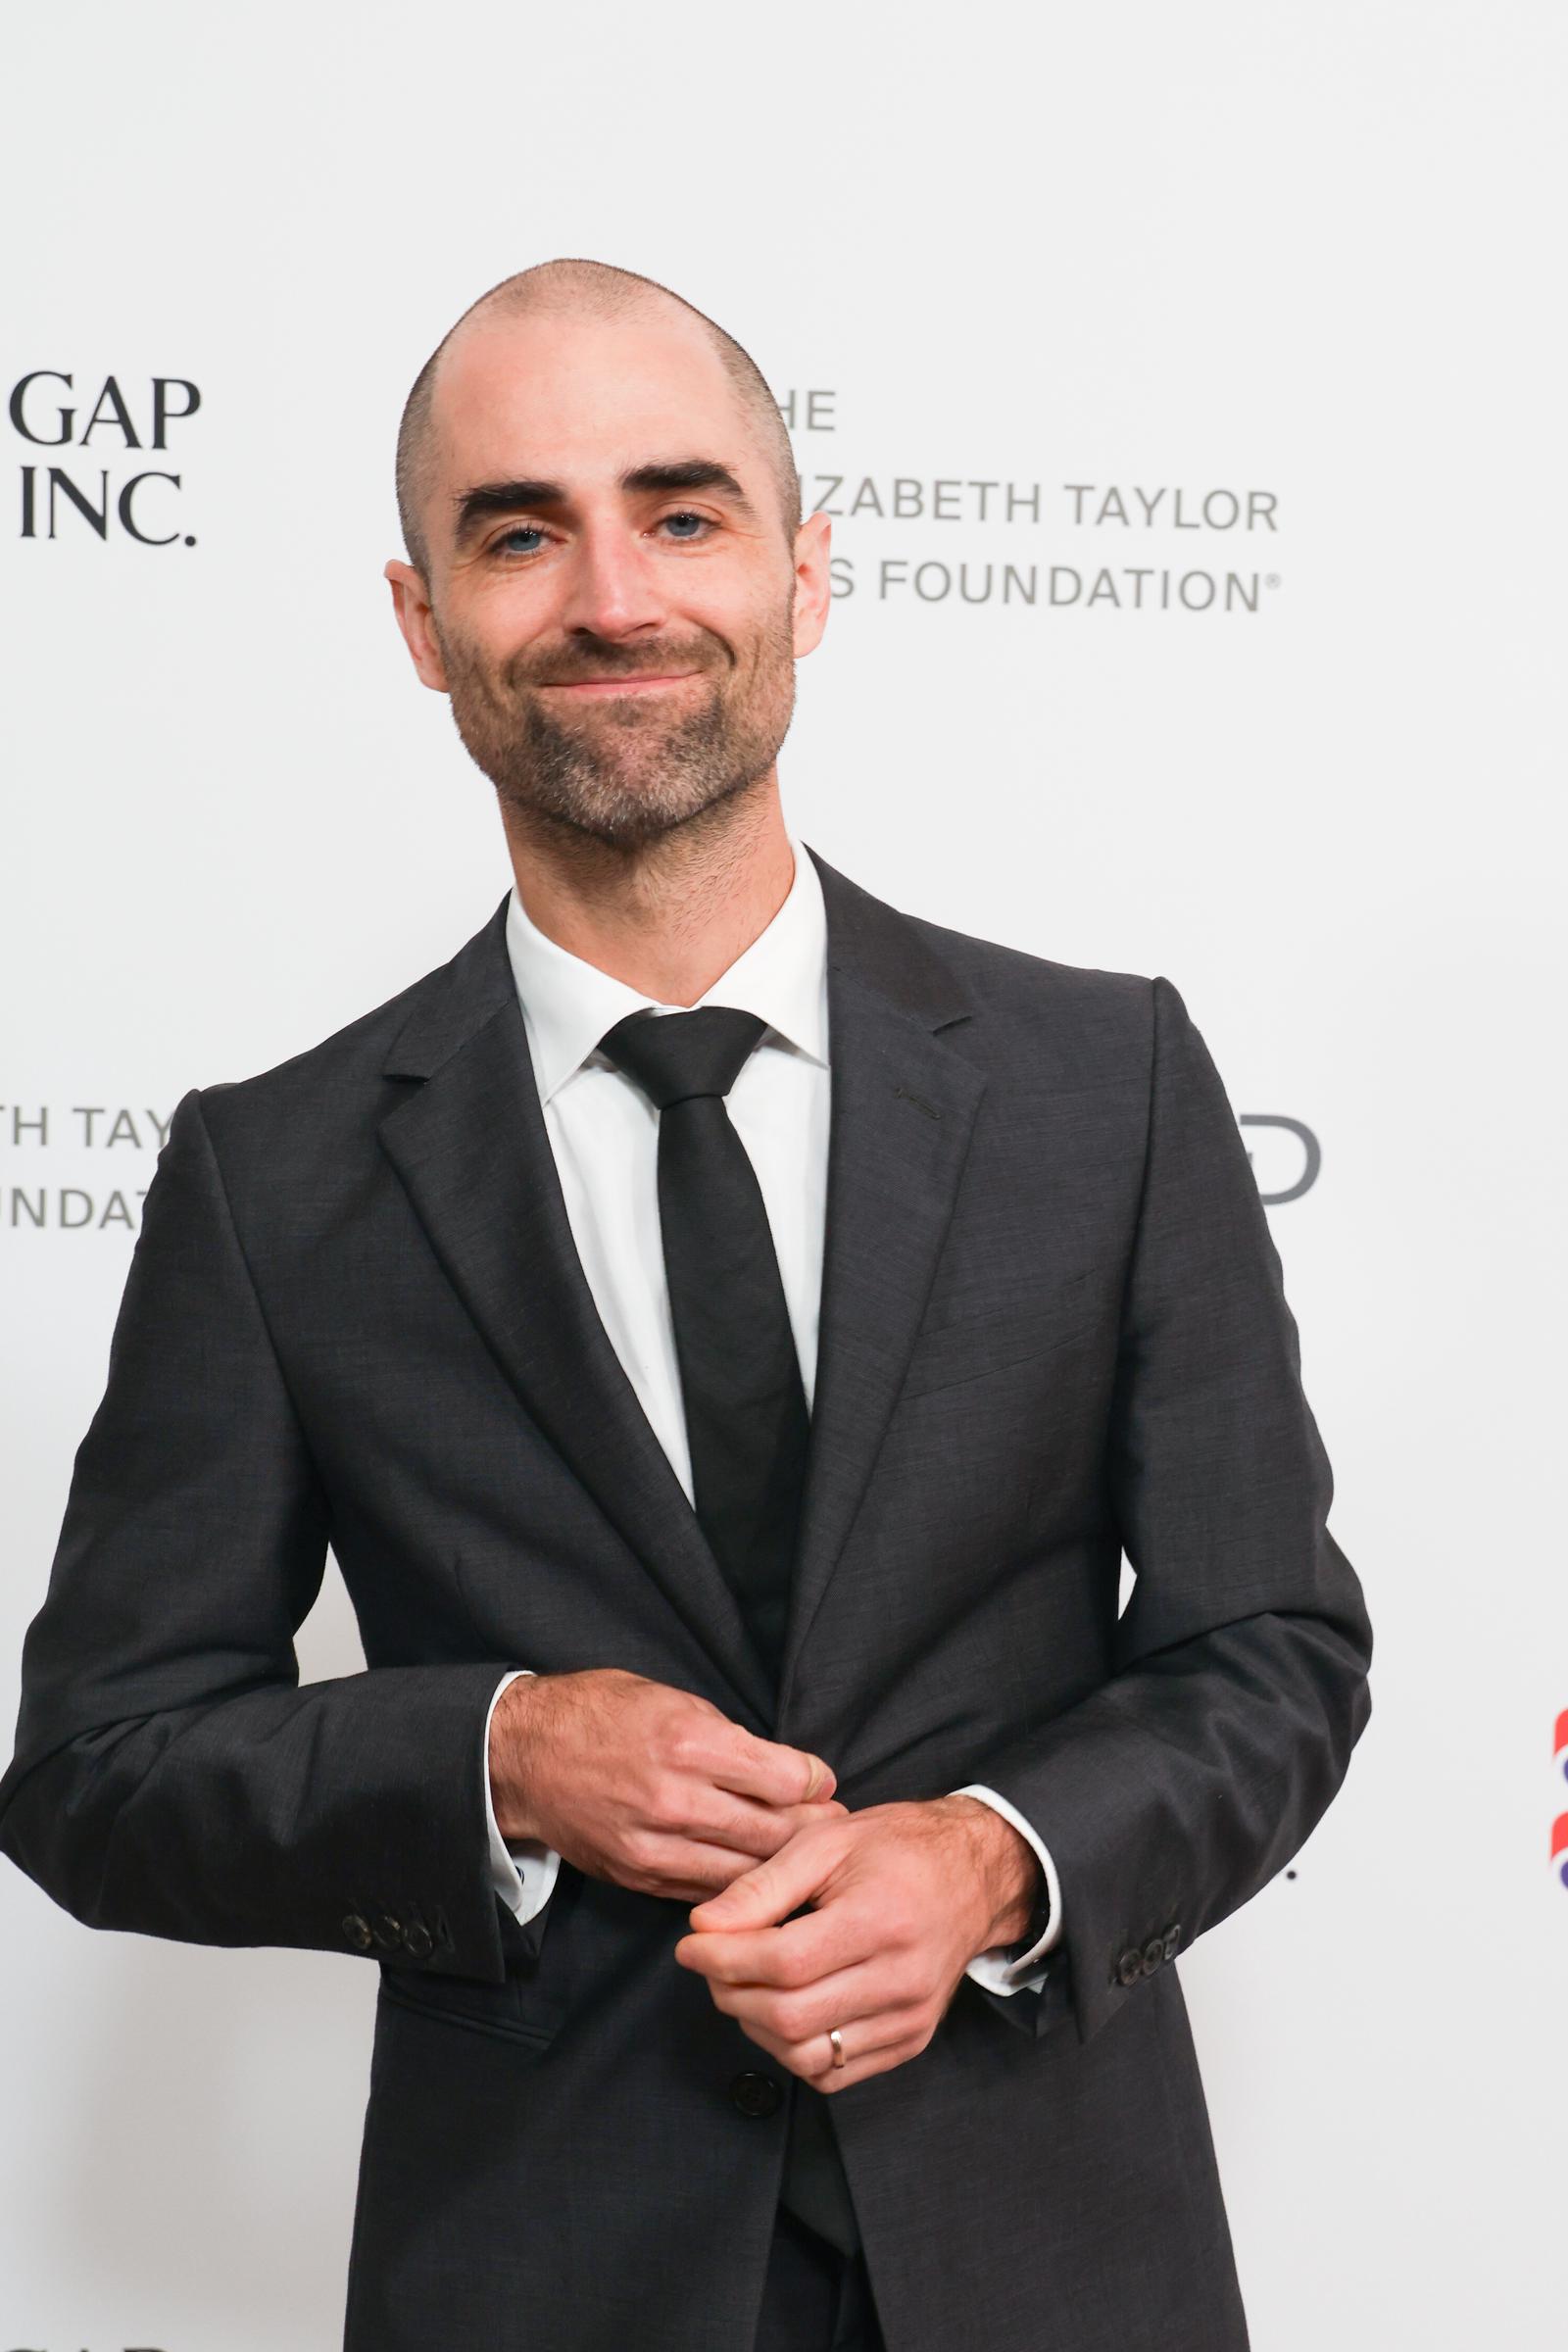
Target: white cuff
column 522, row 1870
column 991, row 1968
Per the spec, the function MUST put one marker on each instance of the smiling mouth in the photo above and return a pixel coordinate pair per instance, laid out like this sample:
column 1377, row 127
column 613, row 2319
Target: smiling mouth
column 641, row 684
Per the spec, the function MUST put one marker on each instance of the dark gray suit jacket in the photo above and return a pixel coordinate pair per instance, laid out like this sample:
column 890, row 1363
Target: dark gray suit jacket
column 1052, row 1328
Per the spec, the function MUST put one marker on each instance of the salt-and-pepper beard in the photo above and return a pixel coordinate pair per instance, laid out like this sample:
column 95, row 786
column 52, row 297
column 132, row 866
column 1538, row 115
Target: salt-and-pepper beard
column 627, row 772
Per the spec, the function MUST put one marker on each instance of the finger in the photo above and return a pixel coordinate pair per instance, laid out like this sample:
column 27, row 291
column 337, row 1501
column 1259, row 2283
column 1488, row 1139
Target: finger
column 754, row 1830
column 700, row 1859
column 802, row 1951
column 872, row 2046
column 801, row 2014
column 767, row 1769
column 680, row 1868
column 767, row 1893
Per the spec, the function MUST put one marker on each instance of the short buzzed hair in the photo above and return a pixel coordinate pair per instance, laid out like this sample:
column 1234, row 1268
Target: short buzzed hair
column 600, row 290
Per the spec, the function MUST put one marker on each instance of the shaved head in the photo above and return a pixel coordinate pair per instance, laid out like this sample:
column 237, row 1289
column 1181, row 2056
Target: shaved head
column 593, row 290
column 608, row 570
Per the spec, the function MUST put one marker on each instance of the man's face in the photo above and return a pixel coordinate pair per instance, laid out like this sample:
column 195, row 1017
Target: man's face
column 612, row 605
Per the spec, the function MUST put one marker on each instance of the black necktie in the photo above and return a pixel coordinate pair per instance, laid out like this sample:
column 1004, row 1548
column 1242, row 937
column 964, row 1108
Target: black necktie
column 740, row 1376
column 740, row 1392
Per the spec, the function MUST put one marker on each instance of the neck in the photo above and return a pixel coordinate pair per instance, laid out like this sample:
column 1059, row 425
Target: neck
column 669, row 916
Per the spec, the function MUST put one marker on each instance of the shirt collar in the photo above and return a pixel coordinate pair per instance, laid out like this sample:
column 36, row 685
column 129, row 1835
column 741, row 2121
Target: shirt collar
column 568, row 1004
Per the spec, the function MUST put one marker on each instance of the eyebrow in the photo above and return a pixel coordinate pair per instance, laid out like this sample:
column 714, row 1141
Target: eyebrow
column 475, row 506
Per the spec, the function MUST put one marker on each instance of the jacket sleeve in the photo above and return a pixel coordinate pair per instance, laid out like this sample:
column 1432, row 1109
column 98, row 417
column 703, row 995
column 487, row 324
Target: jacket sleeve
column 170, row 1775
column 1176, row 1790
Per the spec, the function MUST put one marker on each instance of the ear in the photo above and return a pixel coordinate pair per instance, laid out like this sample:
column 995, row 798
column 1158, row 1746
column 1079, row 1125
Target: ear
column 813, row 582
column 411, row 604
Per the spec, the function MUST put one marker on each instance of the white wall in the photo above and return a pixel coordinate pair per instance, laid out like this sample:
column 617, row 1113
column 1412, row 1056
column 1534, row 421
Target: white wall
column 1313, row 252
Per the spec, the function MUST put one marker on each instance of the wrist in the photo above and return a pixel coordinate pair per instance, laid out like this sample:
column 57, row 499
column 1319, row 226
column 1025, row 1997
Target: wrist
column 1011, row 1877
column 511, row 1757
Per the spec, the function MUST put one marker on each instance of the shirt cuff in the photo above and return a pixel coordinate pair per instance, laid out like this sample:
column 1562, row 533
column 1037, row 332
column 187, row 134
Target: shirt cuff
column 1022, row 1971
column 522, row 1870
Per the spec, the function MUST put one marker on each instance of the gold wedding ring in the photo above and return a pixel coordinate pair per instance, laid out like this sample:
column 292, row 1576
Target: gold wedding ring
column 837, row 2040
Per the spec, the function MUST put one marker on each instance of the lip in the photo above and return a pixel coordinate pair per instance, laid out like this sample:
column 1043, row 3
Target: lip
column 605, row 686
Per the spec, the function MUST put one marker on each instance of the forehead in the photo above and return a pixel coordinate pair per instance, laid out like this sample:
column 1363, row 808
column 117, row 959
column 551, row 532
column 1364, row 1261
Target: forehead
column 581, row 399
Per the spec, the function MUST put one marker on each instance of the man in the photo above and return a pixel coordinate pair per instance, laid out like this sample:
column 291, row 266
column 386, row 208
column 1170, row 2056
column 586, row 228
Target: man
column 728, row 1330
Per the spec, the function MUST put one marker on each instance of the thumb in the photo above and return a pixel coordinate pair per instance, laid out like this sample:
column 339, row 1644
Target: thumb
column 767, row 1893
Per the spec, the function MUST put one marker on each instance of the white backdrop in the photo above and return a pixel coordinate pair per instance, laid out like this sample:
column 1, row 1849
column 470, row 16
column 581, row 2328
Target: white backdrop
column 1310, row 253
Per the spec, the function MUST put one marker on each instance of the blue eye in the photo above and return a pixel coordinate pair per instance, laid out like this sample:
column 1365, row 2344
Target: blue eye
column 699, row 526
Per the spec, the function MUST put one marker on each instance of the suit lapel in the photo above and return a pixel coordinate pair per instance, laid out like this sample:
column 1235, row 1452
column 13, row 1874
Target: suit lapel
column 471, row 1146
column 473, row 1150
column 902, row 1109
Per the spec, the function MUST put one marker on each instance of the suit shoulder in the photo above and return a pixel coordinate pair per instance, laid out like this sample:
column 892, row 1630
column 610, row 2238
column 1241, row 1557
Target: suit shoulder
column 344, row 1071
column 1098, row 1024
column 996, row 970
column 1000, row 971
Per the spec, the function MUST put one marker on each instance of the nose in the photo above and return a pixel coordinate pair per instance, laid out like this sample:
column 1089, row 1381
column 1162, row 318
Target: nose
column 612, row 586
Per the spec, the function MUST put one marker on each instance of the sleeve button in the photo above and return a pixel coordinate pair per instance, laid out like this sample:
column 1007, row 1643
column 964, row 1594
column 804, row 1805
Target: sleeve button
column 1173, row 1937
column 1130, row 1967
column 1153, row 1955
column 418, row 1939
column 358, row 1932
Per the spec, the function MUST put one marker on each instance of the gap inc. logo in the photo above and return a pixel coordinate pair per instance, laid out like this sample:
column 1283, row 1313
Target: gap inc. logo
column 1559, row 1828
column 121, row 496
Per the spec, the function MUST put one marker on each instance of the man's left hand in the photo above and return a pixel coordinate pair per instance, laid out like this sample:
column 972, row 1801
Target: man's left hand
column 904, row 1896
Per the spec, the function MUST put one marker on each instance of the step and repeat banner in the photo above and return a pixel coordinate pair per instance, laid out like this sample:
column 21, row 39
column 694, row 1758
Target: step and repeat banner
column 1185, row 388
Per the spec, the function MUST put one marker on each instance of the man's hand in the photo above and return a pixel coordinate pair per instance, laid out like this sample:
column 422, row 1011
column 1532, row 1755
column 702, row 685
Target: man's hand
column 903, row 1897
column 650, row 1787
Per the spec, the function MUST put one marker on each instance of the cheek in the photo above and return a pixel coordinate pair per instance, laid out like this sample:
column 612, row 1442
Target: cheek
column 770, row 645
column 499, row 624
column 751, row 622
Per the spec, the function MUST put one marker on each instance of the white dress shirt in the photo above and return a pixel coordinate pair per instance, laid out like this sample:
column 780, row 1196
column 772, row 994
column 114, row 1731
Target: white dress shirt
column 604, row 1133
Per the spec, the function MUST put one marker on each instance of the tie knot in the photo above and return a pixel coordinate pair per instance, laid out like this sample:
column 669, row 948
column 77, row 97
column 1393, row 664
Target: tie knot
column 674, row 1055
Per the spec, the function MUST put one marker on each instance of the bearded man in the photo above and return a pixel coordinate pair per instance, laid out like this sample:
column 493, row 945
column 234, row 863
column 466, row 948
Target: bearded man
column 729, row 1332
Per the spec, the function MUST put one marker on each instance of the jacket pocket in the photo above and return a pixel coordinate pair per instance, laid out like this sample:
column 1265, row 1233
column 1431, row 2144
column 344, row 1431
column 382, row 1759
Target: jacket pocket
column 515, row 2011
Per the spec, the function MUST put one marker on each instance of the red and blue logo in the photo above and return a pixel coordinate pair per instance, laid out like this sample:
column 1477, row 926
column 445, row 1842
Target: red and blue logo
column 1559, row 1828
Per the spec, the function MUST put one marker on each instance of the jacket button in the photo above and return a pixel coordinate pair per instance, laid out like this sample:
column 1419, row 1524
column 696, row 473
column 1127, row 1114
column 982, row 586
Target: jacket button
column 1173, row 1937
column 358, row 1932
column 1153, row 1955
column 418, row 1939
column 1130, row 1967
column 754, row 2095
column 388, row 1932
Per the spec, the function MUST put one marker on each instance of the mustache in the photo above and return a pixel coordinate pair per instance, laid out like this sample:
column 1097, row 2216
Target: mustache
column 575, row 667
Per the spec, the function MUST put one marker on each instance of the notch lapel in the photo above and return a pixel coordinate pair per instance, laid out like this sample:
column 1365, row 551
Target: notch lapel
column 473, row 1152
column 903, row 1110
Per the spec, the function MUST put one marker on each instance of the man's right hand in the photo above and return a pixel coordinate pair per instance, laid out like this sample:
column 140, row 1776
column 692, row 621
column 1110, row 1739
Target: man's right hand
column 650, row 1787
